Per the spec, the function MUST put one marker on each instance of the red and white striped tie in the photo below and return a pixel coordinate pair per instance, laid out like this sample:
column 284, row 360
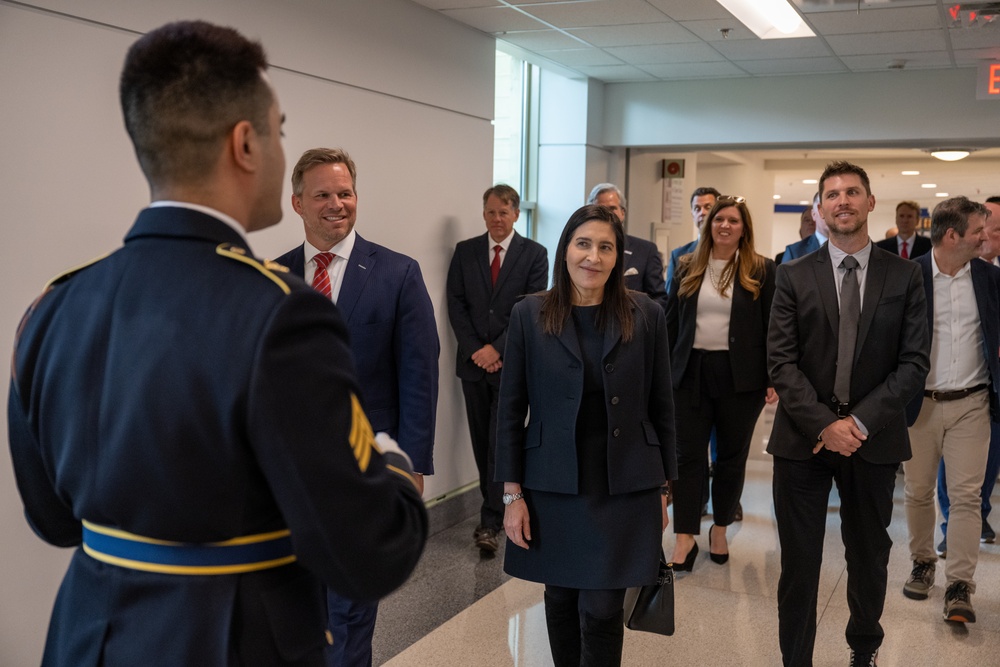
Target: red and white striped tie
column 321, row 279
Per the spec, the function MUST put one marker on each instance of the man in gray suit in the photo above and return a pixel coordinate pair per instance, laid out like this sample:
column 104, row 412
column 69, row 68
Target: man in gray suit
column 488, row 275
column 847, row 427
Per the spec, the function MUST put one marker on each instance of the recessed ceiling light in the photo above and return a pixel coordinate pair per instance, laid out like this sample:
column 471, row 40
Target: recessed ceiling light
column 940, row 194
column 777, row 196
column 768, row 19
column 805, row 202
column 810, row 181
column 910, row 173
column 950, row 155
column 928, row 186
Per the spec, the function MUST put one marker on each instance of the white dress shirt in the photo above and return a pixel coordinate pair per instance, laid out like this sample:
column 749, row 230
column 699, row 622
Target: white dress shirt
column 337, row 267
column 957, row 360
column 504, row 245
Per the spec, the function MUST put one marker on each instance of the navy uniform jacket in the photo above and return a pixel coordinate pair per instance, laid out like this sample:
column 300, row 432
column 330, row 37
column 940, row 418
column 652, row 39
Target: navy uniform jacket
column 986, row 285
column 180, row 390
column 545, row 372
column 748, row 320
column 890, row 360
column 644, row 269
column 480, row 311
column 394, row 339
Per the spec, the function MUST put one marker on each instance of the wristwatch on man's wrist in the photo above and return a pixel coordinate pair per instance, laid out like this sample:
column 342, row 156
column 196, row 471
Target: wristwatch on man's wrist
column 508, row 498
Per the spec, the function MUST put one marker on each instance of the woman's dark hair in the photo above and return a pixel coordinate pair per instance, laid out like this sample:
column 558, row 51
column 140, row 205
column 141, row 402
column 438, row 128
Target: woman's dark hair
column 617, row 304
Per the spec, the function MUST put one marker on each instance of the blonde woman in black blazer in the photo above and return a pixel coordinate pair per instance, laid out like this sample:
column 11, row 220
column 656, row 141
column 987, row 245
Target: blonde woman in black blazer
column 717, row 317
column 589, row 361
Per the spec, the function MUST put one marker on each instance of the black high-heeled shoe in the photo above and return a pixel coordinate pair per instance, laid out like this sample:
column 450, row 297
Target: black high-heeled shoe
column 688, row 564
column 716, row 558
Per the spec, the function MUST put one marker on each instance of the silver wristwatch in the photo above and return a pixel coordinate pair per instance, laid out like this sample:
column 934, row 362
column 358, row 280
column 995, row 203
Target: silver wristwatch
column 508, row 498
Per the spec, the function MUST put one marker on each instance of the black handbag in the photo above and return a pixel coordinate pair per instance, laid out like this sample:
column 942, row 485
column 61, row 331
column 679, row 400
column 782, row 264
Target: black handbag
column 650, row 608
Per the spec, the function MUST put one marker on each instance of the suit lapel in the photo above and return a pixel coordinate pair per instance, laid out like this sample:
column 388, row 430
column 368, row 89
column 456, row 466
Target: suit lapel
column 483, row 251
column 513, row 252
column 874, row 283
column 359, row 269
column 569, row 339
column 612, row 335
column 827, row 288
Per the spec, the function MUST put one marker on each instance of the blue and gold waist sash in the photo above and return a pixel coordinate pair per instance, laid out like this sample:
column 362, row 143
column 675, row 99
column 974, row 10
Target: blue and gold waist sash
column 135, row 552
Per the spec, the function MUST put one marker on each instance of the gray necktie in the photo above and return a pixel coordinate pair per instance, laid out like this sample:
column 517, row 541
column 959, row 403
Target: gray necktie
column 847, row 338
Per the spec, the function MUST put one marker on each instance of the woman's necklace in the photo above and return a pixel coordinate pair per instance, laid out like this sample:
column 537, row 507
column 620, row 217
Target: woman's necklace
column 716, row 280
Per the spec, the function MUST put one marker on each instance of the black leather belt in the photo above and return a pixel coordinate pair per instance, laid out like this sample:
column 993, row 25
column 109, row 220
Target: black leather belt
column 954, row 395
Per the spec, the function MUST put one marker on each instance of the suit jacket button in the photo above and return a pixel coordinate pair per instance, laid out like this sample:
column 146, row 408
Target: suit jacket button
column 732, row 339
column 609, row 368
column 616, row 432
column 614, row 400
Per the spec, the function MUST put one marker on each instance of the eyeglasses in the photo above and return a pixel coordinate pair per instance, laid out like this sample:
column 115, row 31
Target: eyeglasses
column 735, row 200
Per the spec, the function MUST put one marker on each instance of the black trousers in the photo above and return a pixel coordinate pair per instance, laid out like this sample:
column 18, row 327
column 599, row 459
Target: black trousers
column 481, row 408
column 706, row 399
column 801, row 498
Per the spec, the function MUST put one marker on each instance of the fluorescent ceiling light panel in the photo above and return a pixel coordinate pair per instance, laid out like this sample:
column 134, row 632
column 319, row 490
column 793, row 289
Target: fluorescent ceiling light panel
column 768, row 19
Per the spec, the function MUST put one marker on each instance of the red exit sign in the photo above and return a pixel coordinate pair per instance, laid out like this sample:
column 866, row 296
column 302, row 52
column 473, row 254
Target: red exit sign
column 988, row 82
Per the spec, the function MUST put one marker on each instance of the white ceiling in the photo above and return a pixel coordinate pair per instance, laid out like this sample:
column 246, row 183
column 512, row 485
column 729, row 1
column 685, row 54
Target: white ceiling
column 664, row 40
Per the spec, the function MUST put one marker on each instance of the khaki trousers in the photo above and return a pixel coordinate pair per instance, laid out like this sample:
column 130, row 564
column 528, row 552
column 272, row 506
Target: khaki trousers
column 959, row 432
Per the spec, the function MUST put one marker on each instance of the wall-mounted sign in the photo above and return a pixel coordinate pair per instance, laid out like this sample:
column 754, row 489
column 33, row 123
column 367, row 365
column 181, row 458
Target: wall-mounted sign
column 988, row 82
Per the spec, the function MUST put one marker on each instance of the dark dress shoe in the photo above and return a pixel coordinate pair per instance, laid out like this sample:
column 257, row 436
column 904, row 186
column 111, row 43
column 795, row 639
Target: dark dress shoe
column 688, row 564
column 738, row 514
column 987, row 536
column 486, row 540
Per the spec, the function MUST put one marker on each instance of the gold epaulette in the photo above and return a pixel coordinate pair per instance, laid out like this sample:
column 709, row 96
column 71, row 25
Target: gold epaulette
column 267, row 268
column 66, row 275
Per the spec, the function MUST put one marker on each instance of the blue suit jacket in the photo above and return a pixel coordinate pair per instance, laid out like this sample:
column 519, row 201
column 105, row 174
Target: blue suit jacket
column 644, row 269
column 986, row 284
column 800, row 248
column 394, row 339
column 171, row 390
column 675, row 255
column 478, row 310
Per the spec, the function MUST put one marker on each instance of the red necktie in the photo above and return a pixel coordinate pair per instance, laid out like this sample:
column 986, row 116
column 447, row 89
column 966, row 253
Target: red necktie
column 903, row 252
column 495, row 265
column 321, row 279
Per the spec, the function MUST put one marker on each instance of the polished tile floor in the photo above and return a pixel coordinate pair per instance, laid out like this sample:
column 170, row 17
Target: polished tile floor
column 458, row 610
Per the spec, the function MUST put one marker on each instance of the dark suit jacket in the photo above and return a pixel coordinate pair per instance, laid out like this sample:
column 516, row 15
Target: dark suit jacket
column 748, row 321
column 921, row 246
column 479, row 311
column 171, row 390
column 800, row 248
column 545, row 372
column 986, row 283
column 891, row 359
column 395, row 343
column 644, row 269
column 675, row 255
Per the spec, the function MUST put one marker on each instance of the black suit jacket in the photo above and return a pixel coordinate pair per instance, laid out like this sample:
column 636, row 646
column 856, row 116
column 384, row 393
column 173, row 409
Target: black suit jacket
column 748, row 321
column 890, row 364
column 545, row 372
column 182, row 390
column 478, row 310
column 986, row 284
column 675, row 255
column 644, row 269
column 921, row 246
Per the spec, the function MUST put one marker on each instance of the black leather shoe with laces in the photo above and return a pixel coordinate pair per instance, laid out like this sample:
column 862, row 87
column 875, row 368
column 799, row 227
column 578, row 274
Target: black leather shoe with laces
column 864, row 659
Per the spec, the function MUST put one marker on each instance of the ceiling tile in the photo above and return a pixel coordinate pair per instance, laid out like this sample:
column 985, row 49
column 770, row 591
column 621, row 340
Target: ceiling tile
column 636, row 35
column 711, row 31
column 778, row 67
column 666, row 53
column 973, row 57
column 457, row 4
column 581, row 57
column 873, row 20
column 874, row 63
column 720, row 70
column 495, row 19
column 596, row 13
column 691, row 10
column 759, row 49
column 617, row 73
column 975, row 38
column 887, row 43
column 541, row 40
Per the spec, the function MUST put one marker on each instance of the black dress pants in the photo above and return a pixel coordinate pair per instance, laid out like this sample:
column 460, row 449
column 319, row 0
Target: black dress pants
column 481, row 399
column 801, row 498
column 706, row 399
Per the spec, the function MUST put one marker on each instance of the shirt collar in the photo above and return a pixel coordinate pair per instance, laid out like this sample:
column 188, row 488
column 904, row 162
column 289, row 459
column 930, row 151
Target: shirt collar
column 342, row 249
column 935, row 271
column 505, row 244
column 837, row 255
column 207, row 210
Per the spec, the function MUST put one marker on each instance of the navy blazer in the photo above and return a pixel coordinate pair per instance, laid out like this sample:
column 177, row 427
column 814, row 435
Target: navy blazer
column 800, row 248
column 890, row 363
column 675, row 255
column 394, row 339
column 478, row 310
column 545, row 373
column 986, row 284
column 170, row 390
column 921, row 246
column 644, row 269
column 748, row 320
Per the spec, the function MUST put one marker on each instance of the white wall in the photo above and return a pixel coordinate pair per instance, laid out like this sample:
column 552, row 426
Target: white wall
column 408, row 92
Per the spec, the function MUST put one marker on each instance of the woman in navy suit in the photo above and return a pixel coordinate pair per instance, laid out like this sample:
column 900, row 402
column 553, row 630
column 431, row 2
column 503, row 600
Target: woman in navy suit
column 717, row 315
column 582, row 480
